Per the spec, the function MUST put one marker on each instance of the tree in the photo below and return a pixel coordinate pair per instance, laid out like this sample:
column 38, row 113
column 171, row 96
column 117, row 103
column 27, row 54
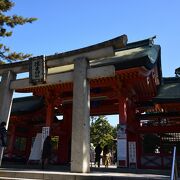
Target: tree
column 177, row 72
column 7, row 23
column 102, row 132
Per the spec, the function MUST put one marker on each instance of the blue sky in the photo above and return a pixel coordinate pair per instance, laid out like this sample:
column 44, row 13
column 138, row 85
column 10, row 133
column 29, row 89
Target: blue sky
column 65, row 25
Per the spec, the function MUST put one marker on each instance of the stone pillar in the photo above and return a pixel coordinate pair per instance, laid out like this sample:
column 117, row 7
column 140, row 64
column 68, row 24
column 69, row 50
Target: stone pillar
column 5, row 100
column 80, row 156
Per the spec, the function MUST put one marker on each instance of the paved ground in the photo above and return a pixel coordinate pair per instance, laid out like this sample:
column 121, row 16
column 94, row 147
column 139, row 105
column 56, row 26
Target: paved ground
column 29, row 172
column 53, row 175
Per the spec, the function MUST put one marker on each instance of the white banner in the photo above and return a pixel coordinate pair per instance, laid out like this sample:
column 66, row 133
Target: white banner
column 36, row 148
column 121, row 146
column 121, row 149
column 45, row 133
column 132, row 154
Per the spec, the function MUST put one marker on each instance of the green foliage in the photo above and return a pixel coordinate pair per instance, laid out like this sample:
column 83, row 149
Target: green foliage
column 177, row 72
column 7, row 23
column 102, row 132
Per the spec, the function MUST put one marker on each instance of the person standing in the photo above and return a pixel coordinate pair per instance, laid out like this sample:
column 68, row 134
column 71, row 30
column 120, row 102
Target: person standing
column 92, row 154
column 106, row 156
column 3, row 134
column 46, row 152
column 98, row 151
column 3, row 139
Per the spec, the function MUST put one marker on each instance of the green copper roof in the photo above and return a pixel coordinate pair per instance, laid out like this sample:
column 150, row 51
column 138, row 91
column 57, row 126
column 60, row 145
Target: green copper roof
column 169, row 91
column 26, row 104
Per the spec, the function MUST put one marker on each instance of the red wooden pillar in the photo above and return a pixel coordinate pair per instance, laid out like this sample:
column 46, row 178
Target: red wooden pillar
column 139, row 150
column 121, row 134
column 29, row 140
column 128, row 124
column 122, row 110
column 65, row 137
column 69, row 132
column 49, row 113
column 50, row 99
column 132, row 135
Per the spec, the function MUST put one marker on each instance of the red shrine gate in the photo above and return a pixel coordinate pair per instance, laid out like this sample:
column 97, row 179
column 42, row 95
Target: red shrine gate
column 132, row 93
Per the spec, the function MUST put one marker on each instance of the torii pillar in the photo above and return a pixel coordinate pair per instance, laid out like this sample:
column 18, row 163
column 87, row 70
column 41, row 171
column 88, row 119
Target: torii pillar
column 80, row 156
column 6, row 95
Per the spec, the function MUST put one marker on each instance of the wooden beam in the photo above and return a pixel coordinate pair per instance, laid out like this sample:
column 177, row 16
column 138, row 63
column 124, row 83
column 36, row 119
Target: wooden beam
column 93, row 73
column 173, row 114
column 159, row 129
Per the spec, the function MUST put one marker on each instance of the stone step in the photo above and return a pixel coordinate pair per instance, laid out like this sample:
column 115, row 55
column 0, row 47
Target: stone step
column 11, row 178
column 49, row 175
column 59, row 172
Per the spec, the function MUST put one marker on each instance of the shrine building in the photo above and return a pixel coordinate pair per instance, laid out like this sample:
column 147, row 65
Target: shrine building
column 112, row 77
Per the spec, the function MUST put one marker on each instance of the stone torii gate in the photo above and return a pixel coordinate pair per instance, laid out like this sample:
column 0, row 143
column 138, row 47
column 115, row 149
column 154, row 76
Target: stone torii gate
column 80, row 76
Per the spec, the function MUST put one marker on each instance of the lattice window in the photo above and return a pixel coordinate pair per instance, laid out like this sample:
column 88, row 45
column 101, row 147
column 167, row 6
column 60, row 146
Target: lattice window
column 171, row 137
